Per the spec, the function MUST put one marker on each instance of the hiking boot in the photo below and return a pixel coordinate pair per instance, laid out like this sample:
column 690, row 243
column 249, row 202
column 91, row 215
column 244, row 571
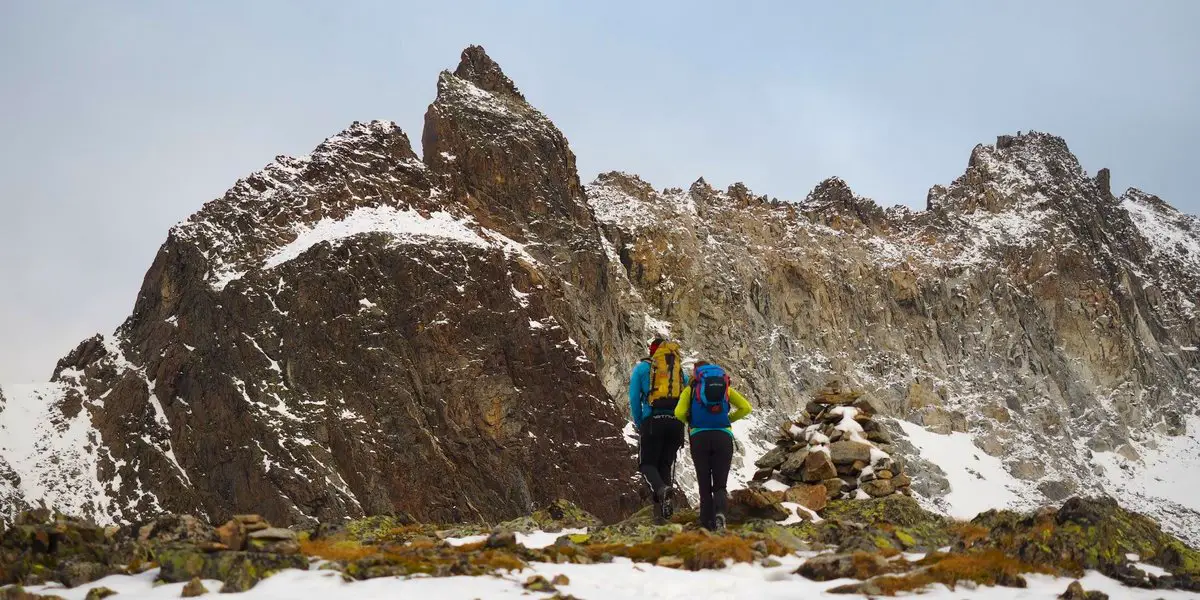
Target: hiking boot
column 666, row 505
column 659, row 519
column 719, row 522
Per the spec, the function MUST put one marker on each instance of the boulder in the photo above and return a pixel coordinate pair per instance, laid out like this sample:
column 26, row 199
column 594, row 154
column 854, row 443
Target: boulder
column 1075, row 591
column 194, row 588
column 773, row 458
column 746, row 504
column 817, row 467
column 794, row 464
column 868, row 406
column 847, row 452
column 251, row 523
column 833, row 487
column 670, row 562
column 238, row 570
column 878, row 488
column 812, row 497
column 274, row 540
column 97, row 593
column 857, row 565
column 880, row 437
column 232, row 534
column 75, row 573
column 17, row 592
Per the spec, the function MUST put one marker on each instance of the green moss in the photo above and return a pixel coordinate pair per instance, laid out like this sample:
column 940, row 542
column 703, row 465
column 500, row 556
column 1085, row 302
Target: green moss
column 905, row 539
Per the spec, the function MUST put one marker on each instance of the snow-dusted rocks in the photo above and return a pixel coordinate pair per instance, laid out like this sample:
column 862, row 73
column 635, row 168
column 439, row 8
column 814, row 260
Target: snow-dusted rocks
column 362, row 330
column 829, row 448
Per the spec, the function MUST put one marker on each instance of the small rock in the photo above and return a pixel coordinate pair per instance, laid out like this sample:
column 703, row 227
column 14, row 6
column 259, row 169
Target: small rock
column 901, row 480
column 537, row 583
column 763, row 474
column 1075, row 592
column 671, row 562
column 501, row 539
column 770, row 563
column 884, row 474
column 814, row 409
column 561, row 579
column 194, row 588
column 97, row 593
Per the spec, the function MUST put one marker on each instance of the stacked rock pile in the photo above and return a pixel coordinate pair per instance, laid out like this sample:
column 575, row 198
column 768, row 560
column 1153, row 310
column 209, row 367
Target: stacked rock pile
column 834, row 444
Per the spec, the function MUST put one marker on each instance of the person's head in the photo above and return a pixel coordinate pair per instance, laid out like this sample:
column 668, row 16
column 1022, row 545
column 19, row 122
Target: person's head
column 654, row 344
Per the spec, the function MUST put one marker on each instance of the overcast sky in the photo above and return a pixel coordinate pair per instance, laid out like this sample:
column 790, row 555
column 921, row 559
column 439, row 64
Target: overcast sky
column 118, row 119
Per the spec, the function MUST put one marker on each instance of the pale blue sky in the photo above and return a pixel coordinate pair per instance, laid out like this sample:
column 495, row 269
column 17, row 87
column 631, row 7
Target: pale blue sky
column 118, row 119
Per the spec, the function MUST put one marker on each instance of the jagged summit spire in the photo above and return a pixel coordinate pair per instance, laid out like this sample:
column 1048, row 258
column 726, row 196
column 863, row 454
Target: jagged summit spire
column 479, row 68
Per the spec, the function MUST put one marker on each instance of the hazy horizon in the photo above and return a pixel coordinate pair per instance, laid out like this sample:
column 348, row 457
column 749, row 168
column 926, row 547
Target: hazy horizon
column 122, row 119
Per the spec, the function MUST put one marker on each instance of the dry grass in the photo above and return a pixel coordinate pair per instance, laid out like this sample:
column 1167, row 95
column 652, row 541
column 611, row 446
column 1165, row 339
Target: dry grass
column 344, row 550
column 969, row 533
column 989, row 567
column 698, row 551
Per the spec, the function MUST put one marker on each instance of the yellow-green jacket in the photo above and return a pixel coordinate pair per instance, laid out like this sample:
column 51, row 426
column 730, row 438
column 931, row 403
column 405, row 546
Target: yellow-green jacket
column 739, row 408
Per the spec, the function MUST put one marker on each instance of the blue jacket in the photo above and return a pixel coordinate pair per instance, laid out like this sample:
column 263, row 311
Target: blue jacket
column 639, row 388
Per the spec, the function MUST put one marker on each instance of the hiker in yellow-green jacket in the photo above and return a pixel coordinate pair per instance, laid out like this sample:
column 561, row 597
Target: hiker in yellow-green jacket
column 705, row 407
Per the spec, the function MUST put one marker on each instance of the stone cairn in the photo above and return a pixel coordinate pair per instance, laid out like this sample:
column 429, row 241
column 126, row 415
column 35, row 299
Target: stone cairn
column 835, row 445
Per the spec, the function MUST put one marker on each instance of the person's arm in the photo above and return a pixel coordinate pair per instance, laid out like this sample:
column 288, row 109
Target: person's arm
column 681, row 407
column 740, row 405
column 636, row 391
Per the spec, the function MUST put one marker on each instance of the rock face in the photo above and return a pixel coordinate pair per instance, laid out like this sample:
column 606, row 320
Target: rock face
column 448, row 337
column 359, row 331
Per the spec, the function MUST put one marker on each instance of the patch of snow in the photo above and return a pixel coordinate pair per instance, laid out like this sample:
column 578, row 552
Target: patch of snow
column 56, row 459
column 406, row 226
column 774, row 485
column 619, row 580
column 978, row 481
column 536, row 539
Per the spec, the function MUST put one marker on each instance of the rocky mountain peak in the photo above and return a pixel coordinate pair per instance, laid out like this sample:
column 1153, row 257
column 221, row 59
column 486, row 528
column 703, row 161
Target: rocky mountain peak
column 833, row 203
column 478, row 68
column 1020, row 171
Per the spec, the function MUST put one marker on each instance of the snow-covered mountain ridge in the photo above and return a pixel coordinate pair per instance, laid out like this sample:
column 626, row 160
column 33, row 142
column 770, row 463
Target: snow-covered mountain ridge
column 344, row 333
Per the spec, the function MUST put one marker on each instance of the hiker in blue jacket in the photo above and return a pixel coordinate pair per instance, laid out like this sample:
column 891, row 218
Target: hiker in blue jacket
column 654, row 388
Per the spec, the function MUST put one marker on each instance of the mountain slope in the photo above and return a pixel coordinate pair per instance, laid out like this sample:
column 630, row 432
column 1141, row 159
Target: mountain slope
column 362, row 330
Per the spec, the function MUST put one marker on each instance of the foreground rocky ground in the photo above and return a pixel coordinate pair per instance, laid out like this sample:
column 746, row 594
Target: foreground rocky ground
column 883, row 545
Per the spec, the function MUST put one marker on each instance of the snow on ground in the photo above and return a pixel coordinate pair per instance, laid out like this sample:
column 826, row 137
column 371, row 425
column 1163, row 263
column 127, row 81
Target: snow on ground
column 55, row 457
column 617, row 580
column 978, row 482
column 537, row 539
column 1162, row 484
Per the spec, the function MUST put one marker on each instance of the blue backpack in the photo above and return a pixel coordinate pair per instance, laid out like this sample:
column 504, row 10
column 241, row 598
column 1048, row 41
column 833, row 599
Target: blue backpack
column 710, row 398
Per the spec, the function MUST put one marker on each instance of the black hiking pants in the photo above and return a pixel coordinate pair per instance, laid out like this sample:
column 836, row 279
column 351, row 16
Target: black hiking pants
column 661, row 437
column 712, row 453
